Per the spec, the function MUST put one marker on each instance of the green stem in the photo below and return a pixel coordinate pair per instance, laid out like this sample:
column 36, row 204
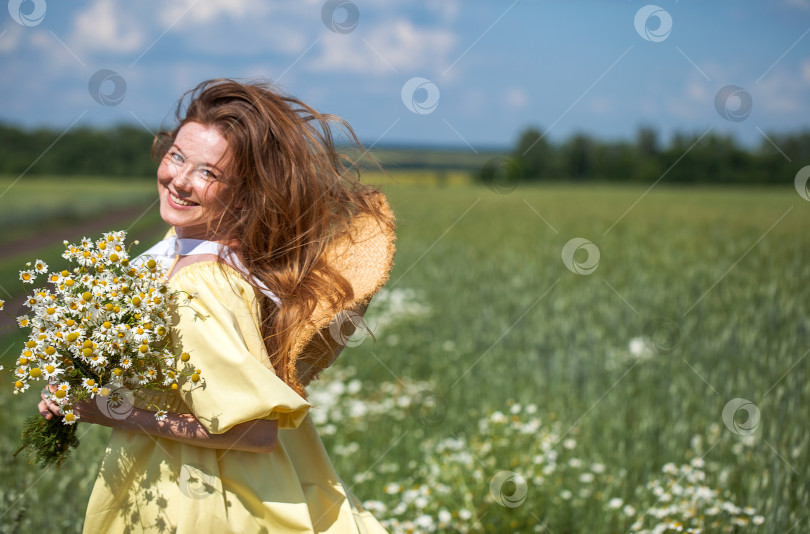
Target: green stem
column 48, row 441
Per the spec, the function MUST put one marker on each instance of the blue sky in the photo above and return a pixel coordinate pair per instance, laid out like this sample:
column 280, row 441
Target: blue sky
column 496, row 67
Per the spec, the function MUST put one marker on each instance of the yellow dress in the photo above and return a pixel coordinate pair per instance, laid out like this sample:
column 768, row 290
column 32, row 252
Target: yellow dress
column 148, row 484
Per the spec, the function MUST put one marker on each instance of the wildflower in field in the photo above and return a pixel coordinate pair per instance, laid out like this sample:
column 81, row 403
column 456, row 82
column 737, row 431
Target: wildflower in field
column 393, row 305
column 628, row 510
column 497, row 417
column 682, row 502
column 69, row 417
column 51, row 371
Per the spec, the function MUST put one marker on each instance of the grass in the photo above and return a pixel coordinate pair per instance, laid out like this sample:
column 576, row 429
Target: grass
column 481, row 316
column 33, row 204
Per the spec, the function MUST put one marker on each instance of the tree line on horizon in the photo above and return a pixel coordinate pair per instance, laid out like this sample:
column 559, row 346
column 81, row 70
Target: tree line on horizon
column 124, row 150
column 709, row 158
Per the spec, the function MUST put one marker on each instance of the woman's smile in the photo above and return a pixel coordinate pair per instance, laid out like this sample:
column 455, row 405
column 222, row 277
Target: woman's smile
column 180, row 202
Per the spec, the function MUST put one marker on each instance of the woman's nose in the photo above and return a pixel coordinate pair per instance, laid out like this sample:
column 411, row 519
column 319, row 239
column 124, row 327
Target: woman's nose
column 182, row 172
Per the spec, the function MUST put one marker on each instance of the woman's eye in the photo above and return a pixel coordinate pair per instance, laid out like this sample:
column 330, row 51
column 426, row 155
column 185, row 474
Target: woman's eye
column 177, row 158
column 208, row 175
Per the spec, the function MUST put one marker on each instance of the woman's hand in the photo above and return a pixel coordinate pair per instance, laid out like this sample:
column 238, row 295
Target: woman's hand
column 47, row 408
column 253, row 436
column 87, row 411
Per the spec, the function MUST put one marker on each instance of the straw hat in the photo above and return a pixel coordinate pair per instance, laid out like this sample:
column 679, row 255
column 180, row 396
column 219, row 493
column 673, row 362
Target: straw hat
column 364, row 257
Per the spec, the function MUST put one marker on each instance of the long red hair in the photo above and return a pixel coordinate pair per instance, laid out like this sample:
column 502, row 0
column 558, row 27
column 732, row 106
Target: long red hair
column 289, row 193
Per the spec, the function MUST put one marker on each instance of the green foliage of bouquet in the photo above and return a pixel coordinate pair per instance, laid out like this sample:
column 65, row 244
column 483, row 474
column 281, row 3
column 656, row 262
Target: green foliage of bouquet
column 100, row 332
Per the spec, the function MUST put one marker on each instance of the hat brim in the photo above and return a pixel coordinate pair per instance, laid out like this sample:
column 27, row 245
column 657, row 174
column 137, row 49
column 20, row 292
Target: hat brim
column 365, row 257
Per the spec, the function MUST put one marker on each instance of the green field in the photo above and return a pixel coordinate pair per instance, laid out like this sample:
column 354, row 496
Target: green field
column 506, row 393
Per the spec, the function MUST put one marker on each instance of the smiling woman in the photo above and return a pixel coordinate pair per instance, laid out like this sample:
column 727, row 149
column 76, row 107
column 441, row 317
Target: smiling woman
column 191, row 179
column 275, row 237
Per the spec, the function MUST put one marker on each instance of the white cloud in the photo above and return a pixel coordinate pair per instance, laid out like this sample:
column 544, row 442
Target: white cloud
column 601, row 105
column 697, row 90
column 105, row 27
column 206, row 11
column 782, row 92
column 10, row 39
column 516, row 97
column 801, row 4
column 806, row 71
column 250, row 26
column 395, row 45
column 447, row 9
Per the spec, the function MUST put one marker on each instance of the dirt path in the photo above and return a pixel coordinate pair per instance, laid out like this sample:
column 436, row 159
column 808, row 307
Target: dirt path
column 119, row 219
column 104, row 223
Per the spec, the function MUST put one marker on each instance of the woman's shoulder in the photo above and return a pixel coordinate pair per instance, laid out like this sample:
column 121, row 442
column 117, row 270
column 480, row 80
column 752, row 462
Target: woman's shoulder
column 210, row 275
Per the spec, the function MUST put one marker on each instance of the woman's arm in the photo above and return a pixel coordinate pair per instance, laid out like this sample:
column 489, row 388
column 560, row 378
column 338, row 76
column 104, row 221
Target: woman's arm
column 253, row 436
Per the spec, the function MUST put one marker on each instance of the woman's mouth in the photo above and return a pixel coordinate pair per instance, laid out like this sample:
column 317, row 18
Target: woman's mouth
column 179, row 201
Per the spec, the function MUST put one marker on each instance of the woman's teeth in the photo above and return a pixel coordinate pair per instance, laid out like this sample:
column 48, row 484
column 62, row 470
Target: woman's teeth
column 180, row 201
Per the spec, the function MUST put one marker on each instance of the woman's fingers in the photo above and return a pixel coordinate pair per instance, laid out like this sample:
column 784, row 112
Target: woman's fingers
column 48, row 408
column 44, row 410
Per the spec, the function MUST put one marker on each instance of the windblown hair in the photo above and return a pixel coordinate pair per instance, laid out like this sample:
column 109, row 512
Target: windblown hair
column 289, row 192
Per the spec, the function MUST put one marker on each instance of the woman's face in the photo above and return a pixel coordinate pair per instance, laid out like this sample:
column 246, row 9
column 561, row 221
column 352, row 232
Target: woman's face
column 191, row 180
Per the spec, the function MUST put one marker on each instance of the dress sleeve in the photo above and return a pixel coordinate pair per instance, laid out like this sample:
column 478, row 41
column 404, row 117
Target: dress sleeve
column 220, row 332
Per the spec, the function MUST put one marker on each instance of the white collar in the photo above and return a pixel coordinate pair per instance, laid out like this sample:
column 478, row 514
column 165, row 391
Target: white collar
column 164, row 252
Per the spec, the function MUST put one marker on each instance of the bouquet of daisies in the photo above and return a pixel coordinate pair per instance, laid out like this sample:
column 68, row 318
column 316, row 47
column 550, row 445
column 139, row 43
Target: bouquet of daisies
column 98, row 332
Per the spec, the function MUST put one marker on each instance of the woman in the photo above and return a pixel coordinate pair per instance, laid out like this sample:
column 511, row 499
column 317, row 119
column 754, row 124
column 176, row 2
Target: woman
column 258, row 200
